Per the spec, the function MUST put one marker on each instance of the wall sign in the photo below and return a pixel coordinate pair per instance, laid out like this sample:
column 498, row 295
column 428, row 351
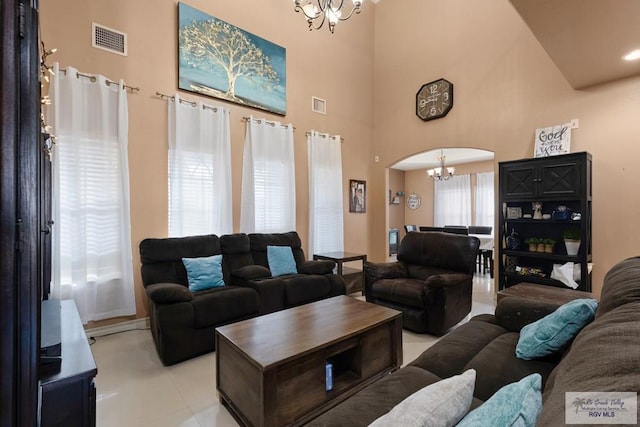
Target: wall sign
column 413, row 201
column 553, row 141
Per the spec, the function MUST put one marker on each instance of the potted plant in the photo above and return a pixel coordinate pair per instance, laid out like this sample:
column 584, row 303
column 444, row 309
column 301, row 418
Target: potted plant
column 548, row 245
column 571, row 238
column 533, row 243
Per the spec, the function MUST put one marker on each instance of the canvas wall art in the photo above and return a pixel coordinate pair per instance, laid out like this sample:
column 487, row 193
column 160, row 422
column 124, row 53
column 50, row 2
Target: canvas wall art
column 223, row 61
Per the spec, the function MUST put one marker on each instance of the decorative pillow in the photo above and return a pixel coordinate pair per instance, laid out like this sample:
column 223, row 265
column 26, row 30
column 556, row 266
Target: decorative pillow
column 516, row 404
column 439, row 404
column 281, row 261
column 553, row 332
column 204, row 273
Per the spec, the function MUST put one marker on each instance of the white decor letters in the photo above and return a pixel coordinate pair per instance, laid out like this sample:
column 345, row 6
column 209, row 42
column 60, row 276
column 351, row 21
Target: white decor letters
column 553, row 141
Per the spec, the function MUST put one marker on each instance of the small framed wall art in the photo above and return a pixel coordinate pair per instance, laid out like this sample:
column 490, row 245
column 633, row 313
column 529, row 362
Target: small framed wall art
column 514, row 212
column 357, row 196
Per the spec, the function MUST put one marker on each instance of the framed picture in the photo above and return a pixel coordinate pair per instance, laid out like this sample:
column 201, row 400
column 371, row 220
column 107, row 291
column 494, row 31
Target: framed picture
column 357, row 196
column 220, row 60
column 514, row 212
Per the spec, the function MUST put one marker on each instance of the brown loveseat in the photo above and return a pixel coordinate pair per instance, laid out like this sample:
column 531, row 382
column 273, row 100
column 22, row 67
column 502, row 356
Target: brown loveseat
column 245, row 264
column 183, row 322
column 431, row 283
column 604, row 356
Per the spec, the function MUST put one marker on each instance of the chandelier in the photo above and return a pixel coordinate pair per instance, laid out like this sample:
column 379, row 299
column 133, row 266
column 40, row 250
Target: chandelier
column 441, row 173
column 318, row 11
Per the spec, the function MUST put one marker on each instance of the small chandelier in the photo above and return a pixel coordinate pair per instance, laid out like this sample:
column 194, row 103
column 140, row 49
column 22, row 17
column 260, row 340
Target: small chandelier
column 441, row 173
column 317, row 11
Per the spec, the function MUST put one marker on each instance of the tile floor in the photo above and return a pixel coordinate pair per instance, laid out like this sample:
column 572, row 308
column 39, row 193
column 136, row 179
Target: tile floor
column 134, row 389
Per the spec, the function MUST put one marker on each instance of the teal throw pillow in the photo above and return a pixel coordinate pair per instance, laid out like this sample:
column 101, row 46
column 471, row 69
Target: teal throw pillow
column 204, row 273
column 281, row 260
column 553, row 332
column 516, row 404
column 441, row 404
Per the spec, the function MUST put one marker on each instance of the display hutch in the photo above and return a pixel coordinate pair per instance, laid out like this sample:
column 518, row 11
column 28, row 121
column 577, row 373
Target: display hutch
column 560, row 186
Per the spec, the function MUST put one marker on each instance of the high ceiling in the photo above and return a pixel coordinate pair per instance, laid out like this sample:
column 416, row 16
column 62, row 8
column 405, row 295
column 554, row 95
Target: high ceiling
column 586, row 39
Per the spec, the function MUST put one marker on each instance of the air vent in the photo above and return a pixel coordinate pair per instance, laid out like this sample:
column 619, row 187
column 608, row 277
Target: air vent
column 109, row 39
column 318, row 105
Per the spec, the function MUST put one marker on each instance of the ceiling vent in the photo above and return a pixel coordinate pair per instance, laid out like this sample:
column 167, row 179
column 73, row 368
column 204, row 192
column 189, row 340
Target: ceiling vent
column 318, row 105
column 109, row 39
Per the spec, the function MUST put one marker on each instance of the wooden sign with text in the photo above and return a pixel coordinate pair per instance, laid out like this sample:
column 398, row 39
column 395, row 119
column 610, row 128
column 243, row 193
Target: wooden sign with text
column 553, row 141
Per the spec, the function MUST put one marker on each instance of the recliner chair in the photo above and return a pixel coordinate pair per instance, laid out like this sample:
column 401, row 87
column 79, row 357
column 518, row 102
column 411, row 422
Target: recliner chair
column 431, row 283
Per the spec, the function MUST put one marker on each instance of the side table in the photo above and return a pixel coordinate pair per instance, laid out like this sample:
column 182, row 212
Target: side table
column 354, row 278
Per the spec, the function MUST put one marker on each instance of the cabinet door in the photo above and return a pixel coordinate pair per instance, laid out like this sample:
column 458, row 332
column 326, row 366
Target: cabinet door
column 560, row 179
column 518, row 181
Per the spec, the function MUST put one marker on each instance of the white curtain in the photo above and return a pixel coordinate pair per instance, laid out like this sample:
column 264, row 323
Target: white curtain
column 326, row 229
column 484, row 199
column 452, row 201
column 91, row 259
column 199, row 169
column 268, row 178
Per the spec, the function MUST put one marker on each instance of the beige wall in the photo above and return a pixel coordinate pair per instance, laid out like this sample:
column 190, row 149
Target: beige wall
column 505, row 87
column 396, row 212
column 338, row 68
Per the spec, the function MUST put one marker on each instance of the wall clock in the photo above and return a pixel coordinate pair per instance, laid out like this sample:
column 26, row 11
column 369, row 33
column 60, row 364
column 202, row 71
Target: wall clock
column 413, row 201
column 434, row 99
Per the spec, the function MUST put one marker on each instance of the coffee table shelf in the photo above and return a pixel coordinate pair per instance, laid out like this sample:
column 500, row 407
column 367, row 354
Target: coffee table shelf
column 271, row 369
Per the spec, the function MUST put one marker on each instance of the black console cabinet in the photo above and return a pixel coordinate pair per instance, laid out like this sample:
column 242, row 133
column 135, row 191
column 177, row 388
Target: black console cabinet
column 553, row 181
column 69, row 396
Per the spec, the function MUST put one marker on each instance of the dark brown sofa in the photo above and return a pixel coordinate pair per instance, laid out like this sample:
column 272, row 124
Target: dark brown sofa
column 431, row 283
column 183, row 322
column 245, row 264
column 603, row 357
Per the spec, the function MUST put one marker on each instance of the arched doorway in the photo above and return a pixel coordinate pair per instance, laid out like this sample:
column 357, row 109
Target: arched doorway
column 411, row 188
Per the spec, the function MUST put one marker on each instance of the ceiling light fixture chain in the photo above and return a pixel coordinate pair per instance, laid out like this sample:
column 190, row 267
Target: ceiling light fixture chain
column 319, row 11
column 441, row 173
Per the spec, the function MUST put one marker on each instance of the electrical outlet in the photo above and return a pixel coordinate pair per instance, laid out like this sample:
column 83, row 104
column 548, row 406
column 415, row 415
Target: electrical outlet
column 376, row 159
column 575, row 124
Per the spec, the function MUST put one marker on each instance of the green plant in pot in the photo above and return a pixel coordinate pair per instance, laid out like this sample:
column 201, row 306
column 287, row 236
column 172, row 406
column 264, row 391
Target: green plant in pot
column 533, row 243
column 571, row 238
column 548, row 245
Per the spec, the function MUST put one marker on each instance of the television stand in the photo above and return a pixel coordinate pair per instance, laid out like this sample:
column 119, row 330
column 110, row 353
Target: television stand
column 69, row 395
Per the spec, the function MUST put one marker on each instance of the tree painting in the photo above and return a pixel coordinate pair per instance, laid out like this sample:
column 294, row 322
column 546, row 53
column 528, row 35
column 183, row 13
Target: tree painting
column 224, row 61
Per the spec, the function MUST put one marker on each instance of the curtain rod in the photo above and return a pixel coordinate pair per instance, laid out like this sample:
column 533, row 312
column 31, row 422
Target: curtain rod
column 184, row 101
column 247, row 118
column 109, row 82
column 325, row 135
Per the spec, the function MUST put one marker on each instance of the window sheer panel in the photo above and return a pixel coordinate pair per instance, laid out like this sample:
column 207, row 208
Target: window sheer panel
column 91, row 238
column 200, row 199
column 452, row 201
column 268, row 178
column 326, row 214
column 485, row 201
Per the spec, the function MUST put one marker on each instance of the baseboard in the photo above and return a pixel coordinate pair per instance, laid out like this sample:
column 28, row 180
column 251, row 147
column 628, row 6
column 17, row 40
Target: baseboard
column 129, row 325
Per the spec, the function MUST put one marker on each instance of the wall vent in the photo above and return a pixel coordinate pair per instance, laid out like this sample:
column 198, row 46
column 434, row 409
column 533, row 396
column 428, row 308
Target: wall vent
column 318, row 105
column 109, row 39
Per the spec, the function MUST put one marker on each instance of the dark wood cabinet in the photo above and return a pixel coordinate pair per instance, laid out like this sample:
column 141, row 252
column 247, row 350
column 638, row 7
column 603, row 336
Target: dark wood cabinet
column 555, row 182
column 69, row 396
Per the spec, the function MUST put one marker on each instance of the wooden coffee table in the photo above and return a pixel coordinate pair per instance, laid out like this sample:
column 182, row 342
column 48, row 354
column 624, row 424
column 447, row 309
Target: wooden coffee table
column 270, row 370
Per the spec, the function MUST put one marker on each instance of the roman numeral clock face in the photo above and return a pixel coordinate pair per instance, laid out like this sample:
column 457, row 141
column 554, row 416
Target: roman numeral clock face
column 434, row 100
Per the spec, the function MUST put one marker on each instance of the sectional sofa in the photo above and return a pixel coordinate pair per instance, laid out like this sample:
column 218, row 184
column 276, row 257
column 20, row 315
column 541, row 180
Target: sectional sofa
column 183, row 321
column 603, row 357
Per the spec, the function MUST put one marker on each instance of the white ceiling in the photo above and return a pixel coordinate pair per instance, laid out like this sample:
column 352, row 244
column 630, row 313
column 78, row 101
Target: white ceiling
column 586, row 39
column 453, row 156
